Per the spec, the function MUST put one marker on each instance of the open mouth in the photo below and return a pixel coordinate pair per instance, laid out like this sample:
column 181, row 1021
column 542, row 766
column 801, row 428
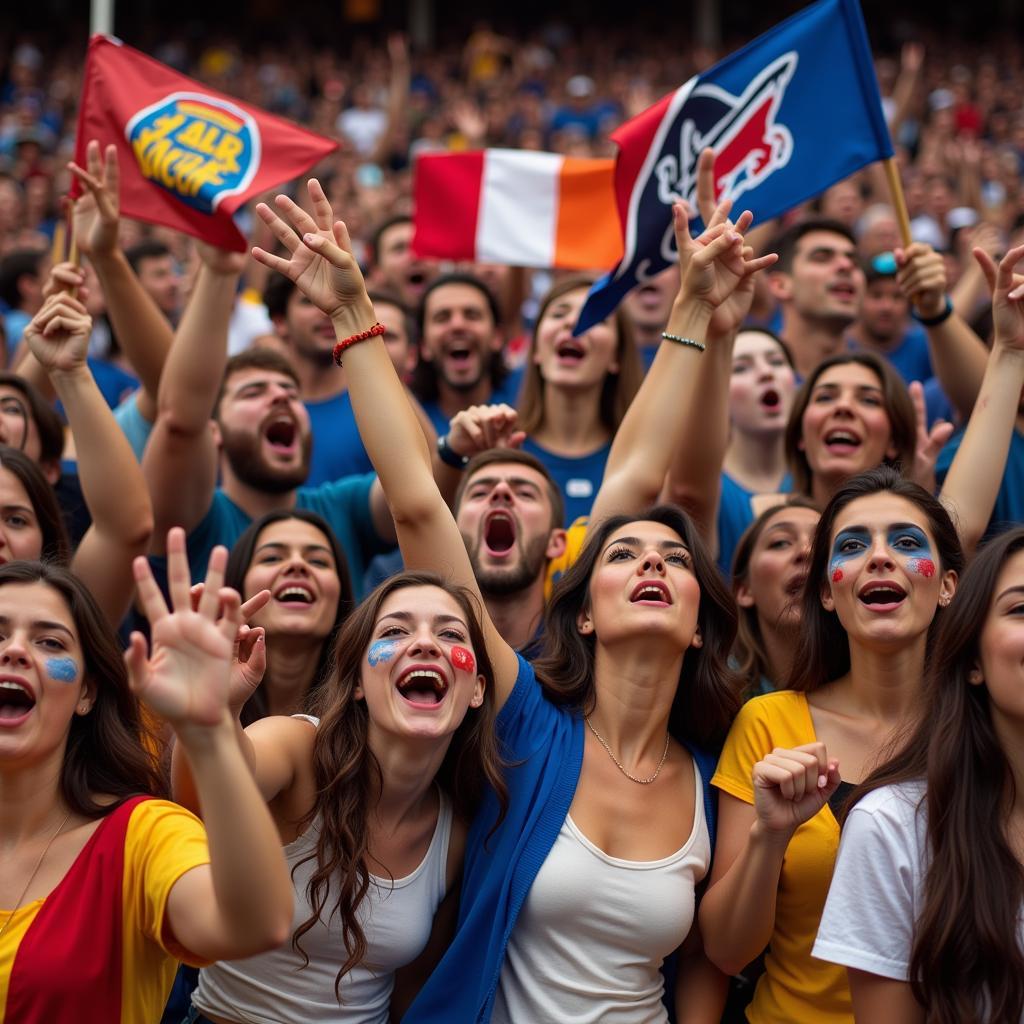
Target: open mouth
column 295, row 594
column 842, row 442
column 16, row 701
column 844, row 291
column 416, row 278
column 280, row 435
column 796, row 585
column 569, row 352
column 422, row 687
column 882, row 597
column 771, row 400
column 499, row 533
column 651, row 593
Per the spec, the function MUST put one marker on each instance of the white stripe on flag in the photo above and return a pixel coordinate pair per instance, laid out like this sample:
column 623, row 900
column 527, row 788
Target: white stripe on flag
column 518, row 208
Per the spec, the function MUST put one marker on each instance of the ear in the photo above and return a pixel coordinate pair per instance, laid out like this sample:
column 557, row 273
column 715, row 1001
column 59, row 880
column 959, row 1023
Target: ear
column 218, row 440
column 780, row 284
column 584, row 623
column 948, row 587
column 975, row 676
column 51, row 470
column 86, row 697
column 827, row 601
column 478, row 692
column 358, row 693
column 697, row 641
column 498, row 341
column 744, row 598
column 557, row 540
column 280, row 326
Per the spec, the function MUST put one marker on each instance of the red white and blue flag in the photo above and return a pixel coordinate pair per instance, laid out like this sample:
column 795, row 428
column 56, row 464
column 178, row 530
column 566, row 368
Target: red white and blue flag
column 189, row 156
column 793, row 112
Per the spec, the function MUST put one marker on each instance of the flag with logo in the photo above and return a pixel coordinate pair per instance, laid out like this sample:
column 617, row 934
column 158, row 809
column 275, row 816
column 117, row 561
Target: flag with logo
column 517, row 207
column 790, row 114
column 189, row 156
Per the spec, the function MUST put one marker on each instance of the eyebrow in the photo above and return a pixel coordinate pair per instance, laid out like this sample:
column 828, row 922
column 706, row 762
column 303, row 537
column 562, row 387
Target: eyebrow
column 514, row 481
column 264, row 382
column 1019, row 589
column 42, row 625
column 409, row 617
column 662, row 545
column 832, row 250
column 277, row 546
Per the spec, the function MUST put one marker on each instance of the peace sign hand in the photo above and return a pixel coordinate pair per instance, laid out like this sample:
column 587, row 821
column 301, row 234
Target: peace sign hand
column 185, row 677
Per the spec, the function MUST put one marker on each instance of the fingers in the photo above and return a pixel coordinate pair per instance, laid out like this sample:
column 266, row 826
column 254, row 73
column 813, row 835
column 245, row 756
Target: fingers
column 721, row 214
column 301, row 221
column 284, row 234
column 255, row 604
column 322, row 212
column 1004, row 274
column 988, row 266
column 63, row 277
column 152, row 600
column 111, row 170
column 211, row 596
column 178, row 579
column 940, row 433
column 718, row 247
column 706, row 184
column 916, row 390
column 230, row 602
column 135, row 660
column 681, row 225
column 268, row 259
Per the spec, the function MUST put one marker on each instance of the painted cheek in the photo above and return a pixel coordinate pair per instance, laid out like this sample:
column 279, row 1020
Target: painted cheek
column 837, row 573
column 62, row 670
column 463, row 659
column 381, row 650
column 922, row 566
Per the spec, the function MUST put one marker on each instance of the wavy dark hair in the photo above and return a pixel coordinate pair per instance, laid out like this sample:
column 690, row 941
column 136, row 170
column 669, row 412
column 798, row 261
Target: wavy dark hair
column 619, row 388
column 239, row 562
column 348, row 776
column 823, row 650
column 105, row 754
column 707, row 694
column 895, row 398
column 56, row 547
column 966, row 953
column 748, row 653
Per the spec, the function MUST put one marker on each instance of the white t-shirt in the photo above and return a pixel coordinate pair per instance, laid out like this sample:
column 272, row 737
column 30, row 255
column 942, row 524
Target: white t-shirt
column 876, row 893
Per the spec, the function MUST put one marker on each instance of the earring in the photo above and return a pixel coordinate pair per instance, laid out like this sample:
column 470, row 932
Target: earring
column 586, row 627
column 943, row 602
column 83, row 707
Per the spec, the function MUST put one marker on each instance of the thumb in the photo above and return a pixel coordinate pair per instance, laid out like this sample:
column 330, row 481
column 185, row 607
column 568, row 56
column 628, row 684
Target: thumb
column 135, row 662
column 938, row 436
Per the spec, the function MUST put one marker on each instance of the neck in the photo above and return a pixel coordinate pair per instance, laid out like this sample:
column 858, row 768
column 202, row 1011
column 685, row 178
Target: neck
column 811, row 340
column 822, row 489
column 757, row 461
column 407, row 767
column 779, row 646
column 885, row 680
column 317, row 380
column 874, row 343
column 291, row 667
column 649, row 336
column 517, row 616
column 635, row 685
column 253, row 501
column 453, row 401
column 572, row 421
column 31, row 804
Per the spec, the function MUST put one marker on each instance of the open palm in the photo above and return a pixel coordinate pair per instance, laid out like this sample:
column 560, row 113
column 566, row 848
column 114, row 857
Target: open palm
column 1007, row 296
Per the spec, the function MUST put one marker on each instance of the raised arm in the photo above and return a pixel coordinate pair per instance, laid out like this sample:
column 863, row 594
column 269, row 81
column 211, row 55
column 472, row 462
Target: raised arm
column 321, row 264
column 973, row 481
column 181, row 458
column 185, row 680
column 683, row 396
column 112, row 482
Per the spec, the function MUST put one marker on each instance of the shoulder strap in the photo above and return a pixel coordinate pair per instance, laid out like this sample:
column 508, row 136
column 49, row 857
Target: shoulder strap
column 67, row 969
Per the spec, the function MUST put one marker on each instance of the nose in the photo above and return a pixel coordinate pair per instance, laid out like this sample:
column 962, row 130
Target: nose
column 424, row 644
column 14, row 651
column 651, row 562
column 501, row 493
column 880, row 557
column 802, row 551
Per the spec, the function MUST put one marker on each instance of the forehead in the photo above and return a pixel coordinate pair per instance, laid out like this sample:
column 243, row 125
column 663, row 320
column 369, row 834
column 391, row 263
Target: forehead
column 421, row 602
column 36, row 600
column 256, row 375
column 792, row 519
column 647, row 532
column 883, row 286
column 292, row 532
column 1011, row 574
column 456, row 296
column 502, row 472
column 752, row 343
column 12, row 489
column 397, row 236
column 573, row 298
column 878, row 511
column 824, row 240
column 156, row 264
column 851, row 374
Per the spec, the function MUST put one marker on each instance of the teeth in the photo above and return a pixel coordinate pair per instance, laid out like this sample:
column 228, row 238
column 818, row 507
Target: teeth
column 435, row 677
column 841, row 438
column 300, row 592
column 9, row 685
column 655, row 591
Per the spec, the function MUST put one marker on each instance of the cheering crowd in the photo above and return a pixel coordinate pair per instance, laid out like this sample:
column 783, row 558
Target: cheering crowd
column 373, row 649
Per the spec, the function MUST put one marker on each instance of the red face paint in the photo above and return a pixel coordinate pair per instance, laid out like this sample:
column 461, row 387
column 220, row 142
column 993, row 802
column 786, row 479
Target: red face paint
column 837, row 575
column 924, row 566
column 463, row 659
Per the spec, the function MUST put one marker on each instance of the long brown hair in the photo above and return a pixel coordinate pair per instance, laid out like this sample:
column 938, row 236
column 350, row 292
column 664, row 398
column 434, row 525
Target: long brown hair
column 707, row 693
column 966, row 952
column 348, row 776
column 104, row 756
column 619, row 388
column 748, row 652
column 895, row 399
column 823, row 650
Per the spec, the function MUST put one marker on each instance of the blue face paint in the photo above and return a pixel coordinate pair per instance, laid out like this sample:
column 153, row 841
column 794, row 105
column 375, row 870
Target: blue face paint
column 912, row 541
column 849, row 544
column 381, row 650
column 63, row 670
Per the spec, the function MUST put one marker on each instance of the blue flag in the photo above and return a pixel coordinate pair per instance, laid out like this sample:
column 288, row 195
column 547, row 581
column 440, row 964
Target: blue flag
column 793, row 112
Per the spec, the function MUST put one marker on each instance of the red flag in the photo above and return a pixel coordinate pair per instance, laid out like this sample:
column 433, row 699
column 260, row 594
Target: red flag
column 189, row 156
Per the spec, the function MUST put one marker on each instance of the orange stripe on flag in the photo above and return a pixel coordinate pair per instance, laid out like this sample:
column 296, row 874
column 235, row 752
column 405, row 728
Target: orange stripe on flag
column 588, row 235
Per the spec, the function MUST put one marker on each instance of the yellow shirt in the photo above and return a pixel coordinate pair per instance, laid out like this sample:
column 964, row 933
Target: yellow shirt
column 795, row 988
column 557, row 567
column 162, row 842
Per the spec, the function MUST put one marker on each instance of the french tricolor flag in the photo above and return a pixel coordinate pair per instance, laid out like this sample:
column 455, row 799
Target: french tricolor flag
column 517, row 207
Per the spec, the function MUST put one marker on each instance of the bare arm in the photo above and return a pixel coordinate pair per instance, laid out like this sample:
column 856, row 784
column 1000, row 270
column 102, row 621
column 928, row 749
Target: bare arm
column 322, row 266
column 701, row 988
column 878, row 1000
column 181, row 459
column 398, row 96
column 112, row 482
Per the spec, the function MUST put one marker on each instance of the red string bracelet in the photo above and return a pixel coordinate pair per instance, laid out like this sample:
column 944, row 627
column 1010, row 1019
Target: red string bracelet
column 377, row 329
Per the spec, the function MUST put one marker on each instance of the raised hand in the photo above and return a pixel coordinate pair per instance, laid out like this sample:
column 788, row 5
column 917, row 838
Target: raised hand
column 96, row 212
column 221, row 261
column 482, row 427
column 333, row 284
column 922, row 277
column 791, row 786
column 58, row 335
column 929, row 443
column 1007, row 290
column 185, row 678
column 66, row 277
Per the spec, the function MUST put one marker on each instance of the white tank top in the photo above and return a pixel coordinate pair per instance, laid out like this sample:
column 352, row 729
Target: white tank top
column 593, row 932
column 396, row 918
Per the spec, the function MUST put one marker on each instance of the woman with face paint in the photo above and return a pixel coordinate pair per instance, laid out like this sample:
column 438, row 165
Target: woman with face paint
column 104, row 888
column 606, row 789
column 926, row 904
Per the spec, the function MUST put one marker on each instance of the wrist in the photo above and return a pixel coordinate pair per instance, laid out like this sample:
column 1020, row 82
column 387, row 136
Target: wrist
column 931, row 312
column 768, row 838
column 448, row 455
column 354, row 319
column 202, row 741
column 70, row 376
column 690, row 316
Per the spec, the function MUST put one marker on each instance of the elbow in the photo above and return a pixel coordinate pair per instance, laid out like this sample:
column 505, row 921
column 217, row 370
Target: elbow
column 722, row 954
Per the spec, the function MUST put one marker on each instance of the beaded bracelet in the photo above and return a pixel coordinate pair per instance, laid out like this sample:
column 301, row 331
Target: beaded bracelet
column 377, row 329
column 691, row 342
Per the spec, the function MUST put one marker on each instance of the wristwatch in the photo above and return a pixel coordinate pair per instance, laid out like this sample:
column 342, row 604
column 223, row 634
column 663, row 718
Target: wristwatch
column 934, row 321
column 449, row 456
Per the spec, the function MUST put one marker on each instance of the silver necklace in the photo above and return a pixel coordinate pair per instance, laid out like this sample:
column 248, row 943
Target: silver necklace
column 618, row 763
column 35, row 871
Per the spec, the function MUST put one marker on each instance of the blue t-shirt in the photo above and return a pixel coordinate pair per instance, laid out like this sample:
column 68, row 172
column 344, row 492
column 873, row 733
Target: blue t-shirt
column 337, row 447
column 133, row 424
column 1009, row 507
column 508, row 394
column 344, row 504
column 735, row 514
column 910, row 358
column 578, row 477
column 543, row 749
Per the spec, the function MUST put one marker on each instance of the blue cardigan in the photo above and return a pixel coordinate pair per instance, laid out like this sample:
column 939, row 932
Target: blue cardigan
column 543, row 747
